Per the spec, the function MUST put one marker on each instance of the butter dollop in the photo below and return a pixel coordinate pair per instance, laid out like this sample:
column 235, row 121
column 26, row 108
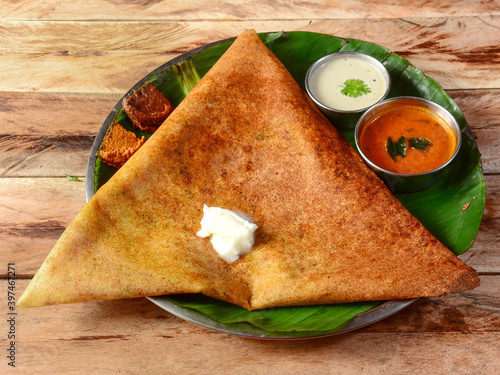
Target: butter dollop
column 231, row 234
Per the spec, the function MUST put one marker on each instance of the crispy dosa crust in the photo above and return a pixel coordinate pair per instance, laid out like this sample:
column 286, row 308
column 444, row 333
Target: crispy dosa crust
column 247, row 138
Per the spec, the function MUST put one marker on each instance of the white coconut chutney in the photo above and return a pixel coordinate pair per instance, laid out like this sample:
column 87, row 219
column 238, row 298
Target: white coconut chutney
column 329, row 80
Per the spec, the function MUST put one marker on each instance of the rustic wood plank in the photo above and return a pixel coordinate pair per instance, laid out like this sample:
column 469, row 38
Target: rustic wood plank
column 49, row 135
column 481, row 110
column 57, row 140
column 47, row 156
column 484, row 254
column 200, row 353
column 438, row 47
column 41, row 114
column 474, row 311
column 236, row 10
column 460, row 332
column 35, row 212
column 74, row 57
column 97, row 49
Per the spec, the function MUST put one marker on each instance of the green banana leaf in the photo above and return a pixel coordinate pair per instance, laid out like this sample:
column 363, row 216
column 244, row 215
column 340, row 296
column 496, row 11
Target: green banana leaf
column 317, row 319
column 440, row 208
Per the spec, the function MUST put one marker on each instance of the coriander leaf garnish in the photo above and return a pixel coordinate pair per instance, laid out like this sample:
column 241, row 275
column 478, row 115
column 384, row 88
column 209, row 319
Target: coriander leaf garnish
column 354, row 88
column 396, row 148
column 420, row 143
column 74, row 179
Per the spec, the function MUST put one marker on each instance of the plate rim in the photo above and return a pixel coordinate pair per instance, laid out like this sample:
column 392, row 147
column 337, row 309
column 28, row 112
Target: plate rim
column 361, row 320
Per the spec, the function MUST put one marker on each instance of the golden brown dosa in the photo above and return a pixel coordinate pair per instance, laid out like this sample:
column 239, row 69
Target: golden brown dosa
column 247, row 138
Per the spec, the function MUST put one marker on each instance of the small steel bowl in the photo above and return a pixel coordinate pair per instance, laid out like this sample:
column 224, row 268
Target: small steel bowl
column 344, row 119
column 399, row 182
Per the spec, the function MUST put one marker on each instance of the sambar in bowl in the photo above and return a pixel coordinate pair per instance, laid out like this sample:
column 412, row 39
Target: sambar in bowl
column 408, row 141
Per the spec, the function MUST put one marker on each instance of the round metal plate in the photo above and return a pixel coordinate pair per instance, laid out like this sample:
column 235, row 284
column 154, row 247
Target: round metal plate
column 378, row 313
column 246, row 330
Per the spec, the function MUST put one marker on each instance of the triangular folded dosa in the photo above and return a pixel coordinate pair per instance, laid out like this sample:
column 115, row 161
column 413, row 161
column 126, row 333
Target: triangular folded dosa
column 248, row 139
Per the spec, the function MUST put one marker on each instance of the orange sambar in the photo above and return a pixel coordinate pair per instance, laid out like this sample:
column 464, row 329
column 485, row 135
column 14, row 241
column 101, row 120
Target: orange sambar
column 408, row 121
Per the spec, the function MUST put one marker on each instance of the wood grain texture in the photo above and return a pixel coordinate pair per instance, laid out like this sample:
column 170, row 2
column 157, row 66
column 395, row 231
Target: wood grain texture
column 75, row 56
column 488, row 239
column 57, row 140
column 62, row 58
column 34, row 214
column 37, row 210
column 481, row 109
column 40, row 114
column 195, row 10
column 49, row 135
column 460, row 332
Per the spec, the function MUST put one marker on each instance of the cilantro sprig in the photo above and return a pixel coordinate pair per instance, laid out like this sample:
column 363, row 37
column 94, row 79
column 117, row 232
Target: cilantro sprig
column 73, row 178
column 355, row 88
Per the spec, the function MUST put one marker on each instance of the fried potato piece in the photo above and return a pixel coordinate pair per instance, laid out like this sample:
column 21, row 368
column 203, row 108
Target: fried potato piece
column 119, row 145
column 147, row 108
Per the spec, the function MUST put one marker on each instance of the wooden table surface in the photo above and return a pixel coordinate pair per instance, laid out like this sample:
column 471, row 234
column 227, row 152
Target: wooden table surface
column 64, row 65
